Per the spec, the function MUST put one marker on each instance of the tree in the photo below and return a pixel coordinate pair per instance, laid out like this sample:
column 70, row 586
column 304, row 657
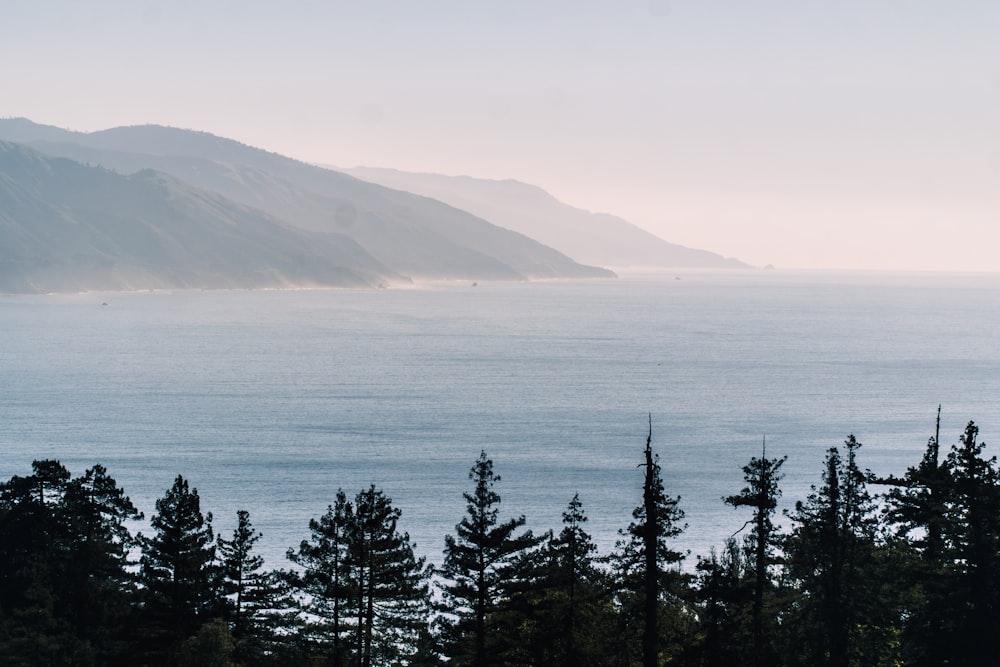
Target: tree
column 647, row 565
column 99, row 570
column 35, row 542
column 393, row 592
column 36, row 548
column 973, row 535
column 568, row 599
column 212, row 646
column 326, row 577
column 918, row 508
column 176, row 569
column 761, row 493
column 725, row 589
column 256, row 600
column 480, row 563
column 63, row 564
column 831, row 554
column 362, row 583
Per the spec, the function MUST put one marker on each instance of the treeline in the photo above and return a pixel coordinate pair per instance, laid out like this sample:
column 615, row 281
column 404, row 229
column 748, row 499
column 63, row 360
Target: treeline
column 869, row 572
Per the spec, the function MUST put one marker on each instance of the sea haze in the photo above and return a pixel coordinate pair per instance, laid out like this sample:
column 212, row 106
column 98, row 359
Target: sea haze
column 271, row 400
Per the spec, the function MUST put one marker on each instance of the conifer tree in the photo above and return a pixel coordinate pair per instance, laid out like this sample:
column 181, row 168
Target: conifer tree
column 647, row 566
column 326, row 578
column 918, row 508
column 393, row 592
column 176, row 569
column 973, row 531
column 363, row 583
column 480, row 562
column 35, row 538
column 99, row 580
column 567, row 607
column 830, row 553
column 761, row 493
column 725, row 589
column 36, row 547
column 257, row 601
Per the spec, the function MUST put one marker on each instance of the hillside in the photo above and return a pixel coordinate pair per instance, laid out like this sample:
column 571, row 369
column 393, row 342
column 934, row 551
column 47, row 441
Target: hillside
column 591, row 238
column 409, row 234
column 65, row 226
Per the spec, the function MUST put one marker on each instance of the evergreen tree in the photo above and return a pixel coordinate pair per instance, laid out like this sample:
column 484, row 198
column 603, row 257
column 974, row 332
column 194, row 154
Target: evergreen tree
column 36, row 547
column 100, row 583
column 176, row 570
column 480, row 563
column 393, row 595
column 761, row 493
column 63, row 559
column 257, row 601
column 568, row 599
column 652, row 585
column 831, row 554
column 36, row 541
column 918, row 508
column 326, row 580
column 725, row 589
column 973, row 533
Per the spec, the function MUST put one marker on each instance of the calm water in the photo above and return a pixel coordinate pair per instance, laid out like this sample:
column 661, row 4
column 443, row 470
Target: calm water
column 270, row 401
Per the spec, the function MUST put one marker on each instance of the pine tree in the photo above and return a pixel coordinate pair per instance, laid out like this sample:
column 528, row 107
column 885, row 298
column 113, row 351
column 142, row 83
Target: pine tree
column 647, row 566
column 973, row 533
column 724, row 589
column 393, row 592
column 761, row 493
column 257, row 601
column 176, row 569
column 36, row 546
column 363, row 583
column 35, row 538
column 479, row 571
column 918, row 508
column 102, row 585
column 63, row 565
column 326, row 579
column 830, row 553
column 567, row 601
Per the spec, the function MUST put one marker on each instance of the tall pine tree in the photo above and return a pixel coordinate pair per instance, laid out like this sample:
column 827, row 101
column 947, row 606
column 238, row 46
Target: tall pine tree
column 326, row 578
column 761, row 493
column 176, row 570
column 256, row 601
column 973, row 533
column 393, row 585
column 479, row 572
column 831, row 555
column 651, row 583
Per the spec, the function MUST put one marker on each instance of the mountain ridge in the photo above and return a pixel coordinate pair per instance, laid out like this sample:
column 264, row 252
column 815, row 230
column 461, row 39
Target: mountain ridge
column 588, row 237
column 410, row 235
column 66, row 226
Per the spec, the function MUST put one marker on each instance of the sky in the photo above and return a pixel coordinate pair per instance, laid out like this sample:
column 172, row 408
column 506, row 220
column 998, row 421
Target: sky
column 799, row 133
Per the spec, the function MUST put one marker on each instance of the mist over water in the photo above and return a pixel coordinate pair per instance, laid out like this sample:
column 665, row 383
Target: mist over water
column 270, row 401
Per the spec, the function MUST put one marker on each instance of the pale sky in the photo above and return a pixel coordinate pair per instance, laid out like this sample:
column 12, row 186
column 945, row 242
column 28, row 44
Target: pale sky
column 802, row 133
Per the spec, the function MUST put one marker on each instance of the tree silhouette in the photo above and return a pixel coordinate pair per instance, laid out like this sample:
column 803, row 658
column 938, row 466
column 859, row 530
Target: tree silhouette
column 176, row 569
column 479, row 569
column 761, row 493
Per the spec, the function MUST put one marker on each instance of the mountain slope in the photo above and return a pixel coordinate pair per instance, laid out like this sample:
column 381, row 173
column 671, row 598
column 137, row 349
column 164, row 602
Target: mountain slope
column 411, row 234
column 591, row 238
column 65, row 226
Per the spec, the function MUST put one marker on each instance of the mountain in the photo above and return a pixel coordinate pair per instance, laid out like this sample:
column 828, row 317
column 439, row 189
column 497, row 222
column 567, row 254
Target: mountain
column 65, row 226
column 412, row 235
column 591, row 238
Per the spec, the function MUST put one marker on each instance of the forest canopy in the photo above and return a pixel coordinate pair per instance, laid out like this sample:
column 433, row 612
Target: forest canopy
column 903, row 570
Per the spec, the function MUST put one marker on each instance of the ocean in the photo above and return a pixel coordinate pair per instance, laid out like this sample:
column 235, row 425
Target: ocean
column 270, row 401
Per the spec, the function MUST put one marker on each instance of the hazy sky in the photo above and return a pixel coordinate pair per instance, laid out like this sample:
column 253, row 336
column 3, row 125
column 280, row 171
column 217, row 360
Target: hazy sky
column 803, row 133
